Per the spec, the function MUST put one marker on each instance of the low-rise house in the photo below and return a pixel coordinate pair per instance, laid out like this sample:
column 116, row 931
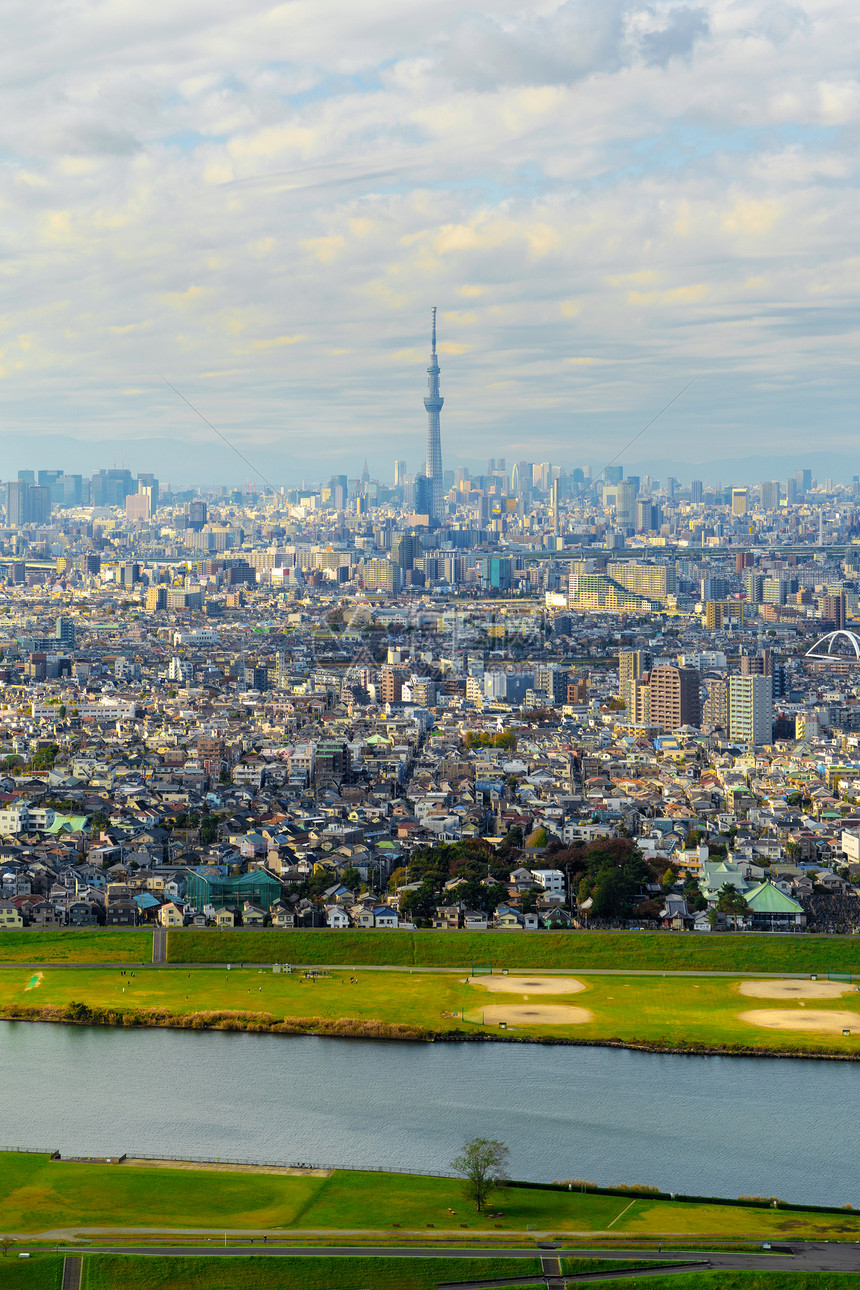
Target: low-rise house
column 170, row 915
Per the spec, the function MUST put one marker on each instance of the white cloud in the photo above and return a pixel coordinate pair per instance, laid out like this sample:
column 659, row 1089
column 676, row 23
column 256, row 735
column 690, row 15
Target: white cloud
column 602, row 196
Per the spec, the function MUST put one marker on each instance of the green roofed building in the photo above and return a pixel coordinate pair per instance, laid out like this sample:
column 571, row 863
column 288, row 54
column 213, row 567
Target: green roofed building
column 773, row 910
column 210, row 887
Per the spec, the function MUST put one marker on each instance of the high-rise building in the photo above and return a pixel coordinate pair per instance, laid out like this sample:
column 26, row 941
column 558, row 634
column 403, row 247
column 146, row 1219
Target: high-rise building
column 613, row 474
column 552, row 680
column 750, row 709
column 696, row 491
column 739, row 501
column 715, row 710
column 675, row 697
column 399, row 473
column 632, row 666
column 804, row 480
column 433, row 403
column 624, row 502
column 832, row 610
column 770, row 494
column 18, row 503
column 791, row 491
column 197, row 516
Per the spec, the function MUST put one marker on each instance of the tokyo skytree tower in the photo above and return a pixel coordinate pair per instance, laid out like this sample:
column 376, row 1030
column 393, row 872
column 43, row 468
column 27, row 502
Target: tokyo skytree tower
column 433, row 403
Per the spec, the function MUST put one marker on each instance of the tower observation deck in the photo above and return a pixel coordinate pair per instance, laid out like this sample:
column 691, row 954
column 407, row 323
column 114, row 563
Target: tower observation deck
column 433, row 403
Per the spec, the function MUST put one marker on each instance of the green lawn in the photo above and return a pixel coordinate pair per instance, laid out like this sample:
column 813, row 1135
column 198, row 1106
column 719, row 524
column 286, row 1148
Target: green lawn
column 661, row 1011
column 39, row 1272
column 38, row 1195
column 664, row 951
column 76, row 945
column 322, row 1272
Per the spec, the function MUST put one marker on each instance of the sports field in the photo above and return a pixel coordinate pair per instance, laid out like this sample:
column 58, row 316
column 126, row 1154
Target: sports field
column 729, row 1014
column 40, row 1195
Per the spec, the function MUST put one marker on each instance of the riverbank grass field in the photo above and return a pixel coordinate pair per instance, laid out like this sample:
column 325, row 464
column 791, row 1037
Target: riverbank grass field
column 38, row 1195
column 659, row 951
column 76, row 945
column 666, row 1013
column 319, row 1272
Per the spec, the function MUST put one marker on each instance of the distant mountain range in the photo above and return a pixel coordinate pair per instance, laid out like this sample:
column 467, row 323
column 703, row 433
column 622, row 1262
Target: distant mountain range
column 206, row 461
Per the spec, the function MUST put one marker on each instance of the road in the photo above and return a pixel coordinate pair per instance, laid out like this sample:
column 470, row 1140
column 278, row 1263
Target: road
column 830, row 1256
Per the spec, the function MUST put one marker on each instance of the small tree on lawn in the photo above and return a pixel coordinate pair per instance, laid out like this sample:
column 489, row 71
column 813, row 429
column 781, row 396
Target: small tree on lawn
column 482, row 1165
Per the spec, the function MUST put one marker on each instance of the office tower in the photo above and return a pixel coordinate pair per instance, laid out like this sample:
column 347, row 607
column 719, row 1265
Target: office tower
column 197, row 516
column 750, row 709
column 399, row 473
column 649, row 517
column 138, row 506
column 804, row 480
column 671, row 487
column 26, row 476
column 433, row 403
column 18, row 504
column 791, row 491
column 696, row 491
column 129, row 575
column 148, row 480
column 555, row 515
column 496, row 572
column 624, row 504
column 423, row 496
column 739, row 501
column 613, row 474
column 770, row 494
column 675, row 700
column 634, row 481
column 406, row 550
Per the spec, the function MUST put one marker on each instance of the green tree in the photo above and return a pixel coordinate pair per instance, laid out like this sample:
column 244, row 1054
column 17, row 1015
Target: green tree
column 351, row 878
column 483, row 1165
column 731, row 903
column 208, row 832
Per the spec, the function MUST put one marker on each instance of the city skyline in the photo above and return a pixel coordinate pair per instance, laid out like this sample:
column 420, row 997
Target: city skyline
column 604, row 201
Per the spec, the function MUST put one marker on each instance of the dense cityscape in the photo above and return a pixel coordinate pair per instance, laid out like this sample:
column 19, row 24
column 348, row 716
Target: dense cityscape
column 606, row 695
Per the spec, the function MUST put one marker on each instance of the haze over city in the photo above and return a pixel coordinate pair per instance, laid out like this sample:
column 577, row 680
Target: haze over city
column 603, row 199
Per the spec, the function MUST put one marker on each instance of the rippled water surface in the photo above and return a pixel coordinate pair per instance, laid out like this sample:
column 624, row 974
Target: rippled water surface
column 707, row 1125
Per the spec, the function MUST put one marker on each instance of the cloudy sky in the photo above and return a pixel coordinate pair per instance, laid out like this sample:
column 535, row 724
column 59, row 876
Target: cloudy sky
column 261, row 202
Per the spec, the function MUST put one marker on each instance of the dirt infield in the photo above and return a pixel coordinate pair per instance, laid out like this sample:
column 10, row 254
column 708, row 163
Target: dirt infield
column 530, row 984
column 795, row 989
column 824, row 1023
column 538, row 1015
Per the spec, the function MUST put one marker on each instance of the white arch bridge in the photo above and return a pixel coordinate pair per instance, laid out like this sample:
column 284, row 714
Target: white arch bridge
column 840, row 644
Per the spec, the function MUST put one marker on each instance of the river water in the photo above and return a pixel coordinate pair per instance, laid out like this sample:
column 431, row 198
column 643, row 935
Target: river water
column 704, row 1125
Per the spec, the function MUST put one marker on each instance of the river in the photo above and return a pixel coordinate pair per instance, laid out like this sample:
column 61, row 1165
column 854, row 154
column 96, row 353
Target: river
column 705, row 1125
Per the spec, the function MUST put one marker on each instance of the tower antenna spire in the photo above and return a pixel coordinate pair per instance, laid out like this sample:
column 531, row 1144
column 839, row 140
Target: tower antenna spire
column 433, row 404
